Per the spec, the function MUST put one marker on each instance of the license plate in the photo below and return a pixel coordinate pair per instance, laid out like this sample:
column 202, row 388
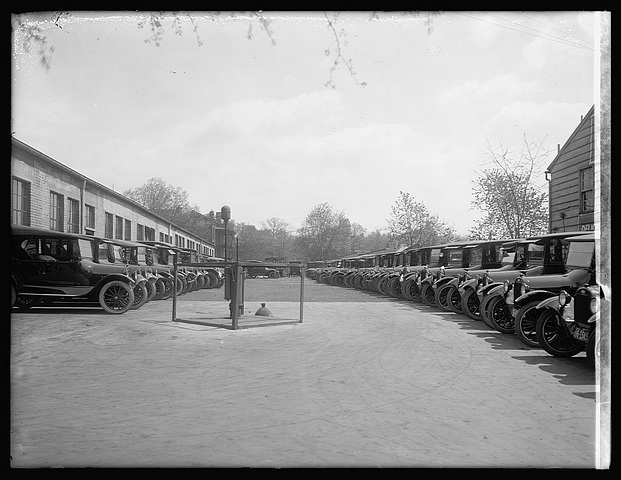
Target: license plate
column 581, row 334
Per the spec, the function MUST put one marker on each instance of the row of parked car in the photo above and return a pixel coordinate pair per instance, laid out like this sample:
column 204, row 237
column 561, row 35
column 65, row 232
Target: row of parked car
column 63, row 269
column 542, row 288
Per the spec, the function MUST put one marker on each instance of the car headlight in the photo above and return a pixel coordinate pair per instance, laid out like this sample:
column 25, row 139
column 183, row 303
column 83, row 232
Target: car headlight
column 507, row 285
column 563, row 298
column 520, row 288
column 594, row 305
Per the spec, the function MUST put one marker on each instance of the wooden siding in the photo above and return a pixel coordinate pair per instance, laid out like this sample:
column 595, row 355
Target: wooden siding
column 564, row 186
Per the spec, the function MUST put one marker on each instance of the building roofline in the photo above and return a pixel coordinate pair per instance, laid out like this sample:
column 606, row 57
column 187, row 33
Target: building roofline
column 108, row 190
column 589, row 114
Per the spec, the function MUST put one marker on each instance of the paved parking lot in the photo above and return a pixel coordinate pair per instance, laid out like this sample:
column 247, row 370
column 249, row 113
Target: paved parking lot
column 381, row 383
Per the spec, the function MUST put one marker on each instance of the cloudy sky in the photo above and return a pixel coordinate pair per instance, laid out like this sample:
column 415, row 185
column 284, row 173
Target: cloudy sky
column 250, row 124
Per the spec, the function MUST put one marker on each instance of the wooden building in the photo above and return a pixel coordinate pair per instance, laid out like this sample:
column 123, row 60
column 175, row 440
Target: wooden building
column 571, row 177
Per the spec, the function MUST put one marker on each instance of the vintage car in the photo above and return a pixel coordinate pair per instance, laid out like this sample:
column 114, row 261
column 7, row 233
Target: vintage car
column 260, row 270
column 513, row 255
column 162, row 255
column 120, row 256
column 55, row 268
column 544, row 255
column 477, row 255
column 569, row 327
column 452, row 256
column 516, row 311
column 419, row 259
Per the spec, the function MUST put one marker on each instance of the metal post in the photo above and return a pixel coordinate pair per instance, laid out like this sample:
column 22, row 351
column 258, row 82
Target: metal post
column 237, row 296
column 226, row 257
column 174, row 296
column 303, row 275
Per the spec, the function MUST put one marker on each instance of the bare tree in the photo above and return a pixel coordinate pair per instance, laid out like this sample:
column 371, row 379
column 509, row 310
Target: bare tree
column 514, row 205
column 158, row 23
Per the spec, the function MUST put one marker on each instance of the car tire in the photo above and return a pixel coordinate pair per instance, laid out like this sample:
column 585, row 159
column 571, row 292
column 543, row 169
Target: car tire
column 141, row 296
column 470, row 304
column 116, row 297
column 526, row 324
column 499, row 315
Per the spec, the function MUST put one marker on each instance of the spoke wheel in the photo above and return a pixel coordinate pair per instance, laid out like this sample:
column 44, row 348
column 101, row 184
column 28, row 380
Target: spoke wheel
column 442, row 298
column 483, row 310
column 470, row 304
column 526, row 324
column 454, row 299
column 500, row 316
column 116, row 297
column 140, row 295
column 554, row 338
column 428, row 295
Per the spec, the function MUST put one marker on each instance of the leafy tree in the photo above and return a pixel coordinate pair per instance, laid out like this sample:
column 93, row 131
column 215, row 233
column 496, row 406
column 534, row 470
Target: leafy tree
column 514, row 205
column 411, row 224
column 279, row 236
column 324, row 234
column 252, row 242
column 161, row 198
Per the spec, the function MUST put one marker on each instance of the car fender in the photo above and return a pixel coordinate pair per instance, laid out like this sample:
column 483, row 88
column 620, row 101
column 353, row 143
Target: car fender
column 540, row 295
column 551, row 302
column 444, row 281
column 494, row 289
column 115, row 276
column 470, row 283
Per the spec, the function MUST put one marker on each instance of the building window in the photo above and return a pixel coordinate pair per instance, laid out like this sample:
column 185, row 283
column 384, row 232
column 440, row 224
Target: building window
column 128, row 229
column 119, row 228
column 89, row 217
column 74, row 216
column 149, row 234
column 139, row 232
column 109, row 228
column 20, row 199
column 587, row 198
column 56, row 212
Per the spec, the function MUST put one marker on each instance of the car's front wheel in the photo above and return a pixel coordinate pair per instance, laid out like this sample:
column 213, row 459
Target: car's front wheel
column 470, row 304
column 116, row 297
column 141, row 295
column 526, row 324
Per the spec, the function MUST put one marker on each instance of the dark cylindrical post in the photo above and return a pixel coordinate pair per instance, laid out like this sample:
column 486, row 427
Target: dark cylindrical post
column 226, row 216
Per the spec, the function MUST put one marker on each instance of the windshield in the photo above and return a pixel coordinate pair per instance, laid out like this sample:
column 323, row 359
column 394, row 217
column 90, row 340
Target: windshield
column 476, row 256
column 580, row 254
column 455, row 257
column 435, row 256
column 535, row 254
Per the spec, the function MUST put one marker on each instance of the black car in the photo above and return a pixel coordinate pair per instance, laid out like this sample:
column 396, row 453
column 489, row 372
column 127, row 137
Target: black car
column 52, row 268
column 260, row 270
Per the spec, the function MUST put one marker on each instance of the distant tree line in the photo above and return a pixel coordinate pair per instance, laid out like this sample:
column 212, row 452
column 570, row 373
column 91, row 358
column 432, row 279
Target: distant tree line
column 513, row 204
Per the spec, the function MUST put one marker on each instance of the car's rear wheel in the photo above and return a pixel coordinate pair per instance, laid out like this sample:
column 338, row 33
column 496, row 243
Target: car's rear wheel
column 26, row 301
column 116, row 297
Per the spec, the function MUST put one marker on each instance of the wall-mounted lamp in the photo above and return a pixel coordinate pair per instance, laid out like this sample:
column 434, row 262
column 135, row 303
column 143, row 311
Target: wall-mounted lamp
column 548, row 174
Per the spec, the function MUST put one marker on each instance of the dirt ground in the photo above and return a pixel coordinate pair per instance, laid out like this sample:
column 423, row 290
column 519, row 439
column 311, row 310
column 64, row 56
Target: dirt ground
column 364, row 381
